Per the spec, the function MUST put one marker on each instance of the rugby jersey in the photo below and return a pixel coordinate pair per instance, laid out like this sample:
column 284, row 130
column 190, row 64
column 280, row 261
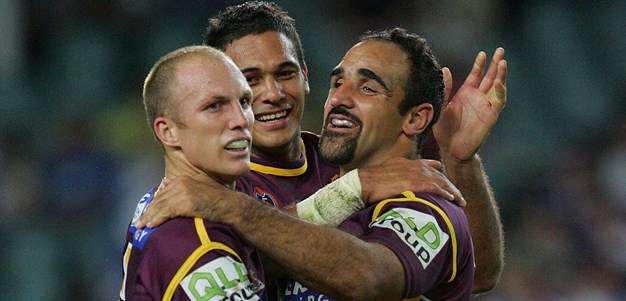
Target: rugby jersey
column 429, row 235
column 189, row 259
column 280, row 183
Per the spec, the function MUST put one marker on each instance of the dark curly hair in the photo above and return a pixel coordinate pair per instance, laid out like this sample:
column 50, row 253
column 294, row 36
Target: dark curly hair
column 251, row 18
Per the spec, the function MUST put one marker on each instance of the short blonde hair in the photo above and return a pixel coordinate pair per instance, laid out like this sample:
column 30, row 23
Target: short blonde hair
column 157, row 88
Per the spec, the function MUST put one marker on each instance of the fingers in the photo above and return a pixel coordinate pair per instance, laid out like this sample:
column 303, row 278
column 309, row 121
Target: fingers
column 457, row 197
column 166, row 181
column 150, row 220
column 401, row 174
column 141, row 222
column 440, row 184
column 492, row 72
column 436, row 164
column 438, row 190
column 444, row 189
column 497, row 93
column 156, row 213
column 476, row 74
column 149, row 217
column 447, row 80
column 502, row 72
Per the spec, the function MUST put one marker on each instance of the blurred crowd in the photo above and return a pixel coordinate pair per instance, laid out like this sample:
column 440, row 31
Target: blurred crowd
column 76, row 153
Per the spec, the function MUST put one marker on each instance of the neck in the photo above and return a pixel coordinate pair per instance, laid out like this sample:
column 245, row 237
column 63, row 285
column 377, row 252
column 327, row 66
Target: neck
column 404, row 148
column 290, row 152
column 176, row 166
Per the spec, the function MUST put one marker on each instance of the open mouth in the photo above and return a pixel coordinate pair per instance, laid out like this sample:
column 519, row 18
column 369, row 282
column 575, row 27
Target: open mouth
column 237, row 145
column 340, row 118
column 272, row 117
column 342, row 123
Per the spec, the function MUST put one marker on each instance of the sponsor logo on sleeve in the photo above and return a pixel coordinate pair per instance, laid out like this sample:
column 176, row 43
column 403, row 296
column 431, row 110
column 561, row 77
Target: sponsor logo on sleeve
column 419, row 231
column 221, row 279
column 264, row 196
column 295, row 291
column 141, row 207
column 140, row 236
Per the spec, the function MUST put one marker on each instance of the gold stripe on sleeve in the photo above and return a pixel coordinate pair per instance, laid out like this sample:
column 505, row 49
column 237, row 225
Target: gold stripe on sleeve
column 201, row 230
column 206, row 246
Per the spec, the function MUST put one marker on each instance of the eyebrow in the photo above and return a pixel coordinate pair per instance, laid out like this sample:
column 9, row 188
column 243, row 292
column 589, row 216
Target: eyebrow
column 371, row 75
column 280, row 66
column 365, row 73
column 288, row 64
column 336, row 71
column 224, row 98
column 251, row 69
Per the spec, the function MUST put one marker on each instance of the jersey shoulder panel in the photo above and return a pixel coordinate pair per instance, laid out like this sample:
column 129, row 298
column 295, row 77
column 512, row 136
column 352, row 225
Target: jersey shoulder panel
column 423, row 235
column 189, row 259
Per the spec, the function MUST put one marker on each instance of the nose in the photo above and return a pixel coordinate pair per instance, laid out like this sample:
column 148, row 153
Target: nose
column 241, row 117
column 340, row 96
column 272, row 91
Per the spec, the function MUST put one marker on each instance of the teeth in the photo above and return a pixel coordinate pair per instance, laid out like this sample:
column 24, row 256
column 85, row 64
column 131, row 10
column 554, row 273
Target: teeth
column 272, row 116
column 341, row 123
column 237, row 144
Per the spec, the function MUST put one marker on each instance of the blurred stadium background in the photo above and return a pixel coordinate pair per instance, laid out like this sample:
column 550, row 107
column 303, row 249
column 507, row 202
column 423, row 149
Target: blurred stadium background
column 76, row 153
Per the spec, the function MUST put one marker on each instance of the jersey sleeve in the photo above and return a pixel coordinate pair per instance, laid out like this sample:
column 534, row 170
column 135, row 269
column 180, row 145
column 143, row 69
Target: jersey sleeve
column 216, row 276
column 422, row 237
column 176, row 267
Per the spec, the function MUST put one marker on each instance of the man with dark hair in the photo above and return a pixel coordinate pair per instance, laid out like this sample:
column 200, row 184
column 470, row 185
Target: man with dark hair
column 411, row 246
column 198, row 106
column 252, row 18
column 262, row 40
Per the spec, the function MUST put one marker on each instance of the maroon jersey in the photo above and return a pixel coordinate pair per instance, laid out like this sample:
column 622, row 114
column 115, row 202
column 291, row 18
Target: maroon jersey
column 189, row 259
column 284, row 183
column 429, row 235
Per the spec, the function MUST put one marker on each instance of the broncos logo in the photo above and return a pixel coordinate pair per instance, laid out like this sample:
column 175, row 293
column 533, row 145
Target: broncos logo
column 264, row 196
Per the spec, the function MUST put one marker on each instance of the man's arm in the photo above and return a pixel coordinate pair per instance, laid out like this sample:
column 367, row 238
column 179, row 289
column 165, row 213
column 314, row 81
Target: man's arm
column 378, row 182
column 463, row 127
column 345, row 268
column 332, row 204
column 484, row 220
column 399, row 174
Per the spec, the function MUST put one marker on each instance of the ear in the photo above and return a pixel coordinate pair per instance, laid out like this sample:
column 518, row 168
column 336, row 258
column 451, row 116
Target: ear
column 305, row 71
column 166, row 130
column 417, row 119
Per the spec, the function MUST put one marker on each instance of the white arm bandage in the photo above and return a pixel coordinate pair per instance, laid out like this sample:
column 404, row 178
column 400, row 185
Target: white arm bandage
column 335, row 202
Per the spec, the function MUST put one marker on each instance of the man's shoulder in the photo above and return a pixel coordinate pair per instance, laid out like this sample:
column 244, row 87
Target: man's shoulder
column 431, row 238
column 186, row 230
column 426, row 203
column 309, row 137
column 311, row 144
column 169, row 235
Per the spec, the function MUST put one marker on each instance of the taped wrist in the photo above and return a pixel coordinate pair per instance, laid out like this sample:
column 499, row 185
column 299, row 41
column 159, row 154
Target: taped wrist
column 332, row 204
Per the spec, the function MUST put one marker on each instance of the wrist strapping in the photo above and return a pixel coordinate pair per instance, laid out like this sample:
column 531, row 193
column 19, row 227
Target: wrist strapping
column 332, row 204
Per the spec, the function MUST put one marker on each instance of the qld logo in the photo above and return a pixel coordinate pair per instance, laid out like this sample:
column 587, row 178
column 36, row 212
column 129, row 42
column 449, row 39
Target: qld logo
column 264, row 196
column 419, row 231
column 221, row 279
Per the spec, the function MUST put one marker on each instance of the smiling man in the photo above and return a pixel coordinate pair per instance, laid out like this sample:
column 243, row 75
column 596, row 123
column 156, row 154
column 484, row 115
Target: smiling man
column 385, row 95
column 286, row 166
